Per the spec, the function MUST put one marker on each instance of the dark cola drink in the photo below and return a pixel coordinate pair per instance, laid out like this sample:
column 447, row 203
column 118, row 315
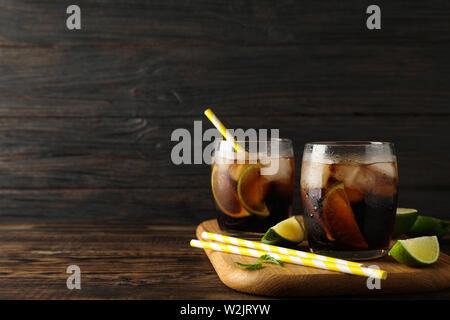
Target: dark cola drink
column 248, row 195
column 349, row 198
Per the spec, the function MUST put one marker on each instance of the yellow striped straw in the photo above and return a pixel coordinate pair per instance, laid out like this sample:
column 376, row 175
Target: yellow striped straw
column 326, row 265
column 222, row 129
column 275, row 249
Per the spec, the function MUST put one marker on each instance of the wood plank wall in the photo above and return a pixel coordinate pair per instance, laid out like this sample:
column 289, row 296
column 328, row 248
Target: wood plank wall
column 86, row 116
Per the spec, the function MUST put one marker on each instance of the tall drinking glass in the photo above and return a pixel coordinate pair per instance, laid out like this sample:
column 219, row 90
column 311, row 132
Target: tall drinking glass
column 349, row 197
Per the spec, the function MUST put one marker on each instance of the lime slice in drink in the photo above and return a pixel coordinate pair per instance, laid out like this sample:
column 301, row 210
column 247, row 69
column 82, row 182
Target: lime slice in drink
column 428, row 226
column 316, row 223
column 235, row 170
column 416, row 252
column 224, row 192
column 251, row 189
column 338, row 216
column 287, row 233
column 404, row 220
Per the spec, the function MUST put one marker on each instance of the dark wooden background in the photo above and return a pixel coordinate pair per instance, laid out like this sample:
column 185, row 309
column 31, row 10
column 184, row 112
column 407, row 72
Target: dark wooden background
column 86, row 116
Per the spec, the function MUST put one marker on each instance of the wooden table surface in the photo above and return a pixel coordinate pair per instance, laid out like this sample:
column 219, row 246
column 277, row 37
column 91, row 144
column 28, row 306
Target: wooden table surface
column 118, row 261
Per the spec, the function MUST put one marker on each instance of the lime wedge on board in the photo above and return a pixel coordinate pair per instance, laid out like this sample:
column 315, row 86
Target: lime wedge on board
column 404, row 220
column 287, row 233
column 428, row 226
column 416, row 252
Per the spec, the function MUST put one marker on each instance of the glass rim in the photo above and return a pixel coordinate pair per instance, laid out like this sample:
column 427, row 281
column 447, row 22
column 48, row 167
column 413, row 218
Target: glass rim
column 258, row 140
column 349, row 143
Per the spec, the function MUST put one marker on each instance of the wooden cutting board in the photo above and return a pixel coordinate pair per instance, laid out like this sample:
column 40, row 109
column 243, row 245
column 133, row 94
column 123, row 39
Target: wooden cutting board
column 294, row 280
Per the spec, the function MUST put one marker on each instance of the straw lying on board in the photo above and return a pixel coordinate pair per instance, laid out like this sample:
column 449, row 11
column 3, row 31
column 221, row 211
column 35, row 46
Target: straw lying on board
column 326, row 265
column 275, row 249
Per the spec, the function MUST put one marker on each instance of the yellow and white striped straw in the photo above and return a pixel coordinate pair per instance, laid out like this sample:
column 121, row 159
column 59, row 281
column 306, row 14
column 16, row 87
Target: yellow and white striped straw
column 222, row 129
column 326, row 265
column 275, row 249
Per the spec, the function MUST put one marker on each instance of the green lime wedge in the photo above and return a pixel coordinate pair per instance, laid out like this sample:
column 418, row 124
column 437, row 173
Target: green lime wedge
column 404, row 220
column 416, row 252
column 287, row 233
column 428, row 226
column 252, row 189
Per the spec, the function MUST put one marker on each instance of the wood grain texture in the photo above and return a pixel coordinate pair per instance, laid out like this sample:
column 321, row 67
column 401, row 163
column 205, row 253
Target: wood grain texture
column 116, row 262
column 86, row 116
column 294, row 280
column 119, row 261
column 317, row 79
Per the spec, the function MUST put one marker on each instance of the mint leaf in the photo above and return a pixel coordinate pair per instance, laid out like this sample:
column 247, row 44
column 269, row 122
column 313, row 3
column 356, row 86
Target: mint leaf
column 269, row 258
column 263, row 259
column 254, row 266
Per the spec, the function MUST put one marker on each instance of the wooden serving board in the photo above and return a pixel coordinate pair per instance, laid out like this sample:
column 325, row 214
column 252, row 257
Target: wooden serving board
column 295, row 280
